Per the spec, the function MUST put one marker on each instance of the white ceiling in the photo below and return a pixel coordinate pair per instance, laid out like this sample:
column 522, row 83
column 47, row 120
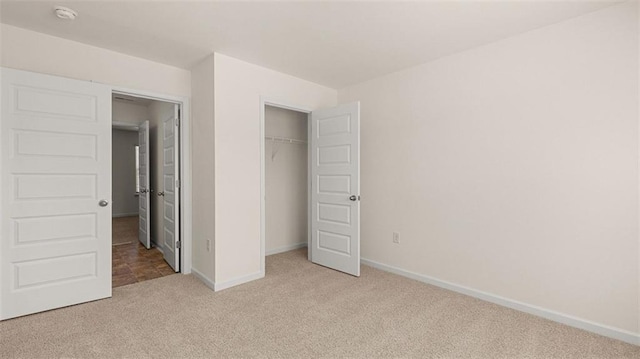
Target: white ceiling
column 331, row 43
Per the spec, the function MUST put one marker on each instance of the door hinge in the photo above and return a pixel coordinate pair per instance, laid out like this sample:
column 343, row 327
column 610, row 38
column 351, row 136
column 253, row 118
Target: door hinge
column 179, row 244
column 177, row 183
column 178, row 122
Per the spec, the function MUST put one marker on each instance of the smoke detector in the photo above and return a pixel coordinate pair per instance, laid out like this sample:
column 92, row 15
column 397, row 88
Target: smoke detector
column 65, row 13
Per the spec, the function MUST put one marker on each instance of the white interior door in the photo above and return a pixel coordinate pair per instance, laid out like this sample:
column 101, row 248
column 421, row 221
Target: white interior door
column 55, row 248
column 335, row 188
column 144, row 234
column 170, row 190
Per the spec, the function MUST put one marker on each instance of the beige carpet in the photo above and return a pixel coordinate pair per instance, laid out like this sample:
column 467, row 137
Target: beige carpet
column 299, row 310
column 124, row 230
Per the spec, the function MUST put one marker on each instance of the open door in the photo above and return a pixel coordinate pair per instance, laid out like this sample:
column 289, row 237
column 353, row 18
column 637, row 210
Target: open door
column 335, row 188
column 171, row 189
column 55, row 246
column 144, row 234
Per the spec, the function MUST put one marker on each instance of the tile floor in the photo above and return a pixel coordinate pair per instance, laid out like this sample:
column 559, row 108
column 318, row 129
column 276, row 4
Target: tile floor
column 131, row 261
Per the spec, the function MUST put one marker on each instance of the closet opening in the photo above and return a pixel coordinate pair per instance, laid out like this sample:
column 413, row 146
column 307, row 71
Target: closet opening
column 145, row 189
column 285, row 180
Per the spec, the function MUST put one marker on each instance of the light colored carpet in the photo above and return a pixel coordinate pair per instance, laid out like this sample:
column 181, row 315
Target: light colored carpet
column 299, row 310
column 124, row 230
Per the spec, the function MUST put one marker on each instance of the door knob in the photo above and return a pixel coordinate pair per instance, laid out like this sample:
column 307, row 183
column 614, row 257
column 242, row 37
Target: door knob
column 103, row 203
column 160, row 193
column 354, row 198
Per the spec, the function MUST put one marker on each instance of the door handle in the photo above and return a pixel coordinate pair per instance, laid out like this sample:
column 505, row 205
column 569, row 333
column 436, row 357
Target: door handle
column 160, row 193
column 103, row 203
column 354, row 198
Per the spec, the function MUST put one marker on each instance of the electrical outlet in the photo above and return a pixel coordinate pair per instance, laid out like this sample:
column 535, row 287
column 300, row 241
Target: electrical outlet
column 396, row 237
column 208, row 245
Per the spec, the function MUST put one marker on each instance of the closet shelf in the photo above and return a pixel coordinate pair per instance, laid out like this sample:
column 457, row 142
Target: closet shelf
column 292, row 141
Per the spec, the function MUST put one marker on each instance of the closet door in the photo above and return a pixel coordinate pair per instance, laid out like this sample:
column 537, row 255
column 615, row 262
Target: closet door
column 55, row 243
column 335, row 188
column 144, row 235
column 171, row 190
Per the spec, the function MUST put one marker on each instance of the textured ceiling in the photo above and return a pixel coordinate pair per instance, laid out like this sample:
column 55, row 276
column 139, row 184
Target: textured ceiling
column 331, row 43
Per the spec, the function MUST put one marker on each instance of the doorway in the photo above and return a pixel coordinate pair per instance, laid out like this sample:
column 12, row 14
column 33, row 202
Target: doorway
column 145, row 161
column 286, row 179
column 332, row 182
column 57, row 193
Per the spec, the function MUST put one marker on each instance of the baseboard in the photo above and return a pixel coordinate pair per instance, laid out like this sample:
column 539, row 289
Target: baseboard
column 604, row 330
column 286, row 248
column 224, row 285
column 118, row 215
column 238, row 281
column 203, row 278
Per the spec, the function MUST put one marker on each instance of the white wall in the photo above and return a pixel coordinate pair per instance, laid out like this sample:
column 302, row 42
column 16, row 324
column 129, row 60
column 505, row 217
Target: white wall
column 512, row 168
column 202, row 112
column 123, row 173
column 33, row 51
column 126, row 112
column 285, row 180
column 158, row 112
column 238, row 89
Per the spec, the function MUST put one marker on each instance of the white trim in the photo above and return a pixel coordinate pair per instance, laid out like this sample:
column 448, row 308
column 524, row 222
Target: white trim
column 185, row 167
column 638, row 179
column 147, row 94
column 120, row 215
column 237, row 281
column 601, row 329
column 286, row 248
column 264, row 101
column 125, row 126
column 203, row 278
column 228, row 284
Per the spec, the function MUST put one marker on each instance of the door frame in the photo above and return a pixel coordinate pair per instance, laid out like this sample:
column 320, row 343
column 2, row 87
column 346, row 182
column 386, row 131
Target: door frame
column 265, row 101
column 185, row 166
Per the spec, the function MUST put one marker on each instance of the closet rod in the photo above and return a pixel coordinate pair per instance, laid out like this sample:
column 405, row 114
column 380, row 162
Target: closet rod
column 285, row 140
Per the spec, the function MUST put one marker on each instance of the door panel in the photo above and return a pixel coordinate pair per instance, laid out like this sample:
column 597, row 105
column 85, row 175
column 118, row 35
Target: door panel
column 171, row 222
column 55, row 247
column 335, row 173
column 144, row 232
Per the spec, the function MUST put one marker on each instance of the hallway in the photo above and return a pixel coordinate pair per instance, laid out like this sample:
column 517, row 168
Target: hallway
column 131, row 261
